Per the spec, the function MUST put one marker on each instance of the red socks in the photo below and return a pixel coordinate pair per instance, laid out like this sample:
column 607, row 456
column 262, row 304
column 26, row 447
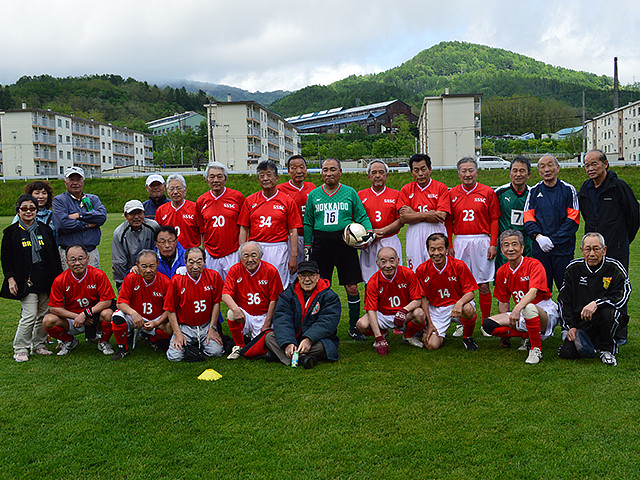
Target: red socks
column 236, row 332
column 120, row 334
column 411, row 328
column 485, row 304
column 508, row 332
column 533, row 328
column 106, row 331
column 468, row 325
column 59, row 333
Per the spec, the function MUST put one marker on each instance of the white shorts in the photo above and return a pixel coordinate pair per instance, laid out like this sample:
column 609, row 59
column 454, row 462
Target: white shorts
column 253, row 323
column 293, row 276
column 277, row 254
column 73, row 330
column 417, row 235
column 551, row 308
column 369, row 255
column 127, row 318
column 222, row 264
column 441, row 317
column 472, row 250
column 385, row 321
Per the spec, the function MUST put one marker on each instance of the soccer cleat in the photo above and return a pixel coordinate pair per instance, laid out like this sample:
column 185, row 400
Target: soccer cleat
column 235, row 353
column 42, row 350
column 356, row 335
column 535, row 355
column 608, row 358
column 121, row 353
column 505, row 342
column 21, row 357
column 66, row 347
column 106, row 348
column 525, row 345
column 470, row 344
column 458, row 331
column 413, row 341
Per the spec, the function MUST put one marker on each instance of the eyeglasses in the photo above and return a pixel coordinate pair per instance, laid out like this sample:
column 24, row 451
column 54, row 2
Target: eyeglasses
column 175, row 189
column 166, row 242
column 28, row 209
column 73, row 260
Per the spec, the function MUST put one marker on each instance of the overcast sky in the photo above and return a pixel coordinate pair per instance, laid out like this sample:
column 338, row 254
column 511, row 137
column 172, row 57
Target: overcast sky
column 271, row 45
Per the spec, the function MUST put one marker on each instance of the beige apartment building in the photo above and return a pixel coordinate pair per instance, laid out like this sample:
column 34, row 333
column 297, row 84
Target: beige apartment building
column 450, row 128
column 37, row 142
column 241, row 134
column 616, row 133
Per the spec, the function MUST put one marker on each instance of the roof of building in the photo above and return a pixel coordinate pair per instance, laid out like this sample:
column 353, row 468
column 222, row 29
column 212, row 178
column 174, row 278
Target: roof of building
column 171, row 119
column 341, row 121
column 339, row 110
column 569, row 130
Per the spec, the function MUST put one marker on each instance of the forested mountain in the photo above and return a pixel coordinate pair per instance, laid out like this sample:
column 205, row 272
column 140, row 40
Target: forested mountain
column 106, row 98
column 220, row 91
column 519, row 93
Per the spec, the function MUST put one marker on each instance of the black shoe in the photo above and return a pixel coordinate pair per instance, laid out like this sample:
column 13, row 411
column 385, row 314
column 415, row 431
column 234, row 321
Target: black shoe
column 120, row 353
column 356, row 335
column 505, row 342
column 469, row 343
column 270, row 357
column 308, row 361
column 162, row 345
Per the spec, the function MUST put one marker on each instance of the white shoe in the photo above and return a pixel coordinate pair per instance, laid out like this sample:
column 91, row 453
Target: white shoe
column 458, row 332
column 235, row 353
column 535, row 355
column 66, row 347
column 485, row 334
column 106, row 348
column 42, row 350
column 21, row 357
column 525, row 345
column 607, row 358
column 413, row 341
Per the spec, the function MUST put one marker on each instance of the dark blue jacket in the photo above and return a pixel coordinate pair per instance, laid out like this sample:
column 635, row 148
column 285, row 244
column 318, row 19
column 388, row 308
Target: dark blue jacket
column 318, row 322
column 552, row 212
column 76, row 232
column 170, row 270
column 150, row 207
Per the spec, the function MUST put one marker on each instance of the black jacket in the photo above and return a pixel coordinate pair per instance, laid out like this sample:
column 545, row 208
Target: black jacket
column 16, row 258
column 616, row 217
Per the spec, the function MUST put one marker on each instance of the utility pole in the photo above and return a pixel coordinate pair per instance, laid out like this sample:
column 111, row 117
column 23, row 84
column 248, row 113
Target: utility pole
column 584, row 131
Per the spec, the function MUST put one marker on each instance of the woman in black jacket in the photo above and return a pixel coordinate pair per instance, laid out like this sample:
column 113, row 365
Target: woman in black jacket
column 30, row 262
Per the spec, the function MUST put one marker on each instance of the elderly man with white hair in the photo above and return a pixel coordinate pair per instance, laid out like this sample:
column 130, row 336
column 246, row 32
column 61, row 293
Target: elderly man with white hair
column 217, row 214
column 180, row 213
column 251, row 291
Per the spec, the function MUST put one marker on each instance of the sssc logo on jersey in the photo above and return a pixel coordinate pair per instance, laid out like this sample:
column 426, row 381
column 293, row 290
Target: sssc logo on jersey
column 402, row 285
column 188, row 217
column 524, row 279
column 452, row 279
column 157, row 294
column 208, row 288
column 606, row 281
column 389, row 200
column 263, row 282
column 92, row 286
column 230, row 205
column 278, row 207
column 480, row 200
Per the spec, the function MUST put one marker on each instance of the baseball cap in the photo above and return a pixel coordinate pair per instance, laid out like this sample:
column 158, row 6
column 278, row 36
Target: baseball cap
column 308, row 266
column 71, row 170
column 154, row 177
column 132, row 205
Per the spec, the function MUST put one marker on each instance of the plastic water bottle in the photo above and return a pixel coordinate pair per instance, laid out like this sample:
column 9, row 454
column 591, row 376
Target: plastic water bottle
column 294, row 360
column 87, row 203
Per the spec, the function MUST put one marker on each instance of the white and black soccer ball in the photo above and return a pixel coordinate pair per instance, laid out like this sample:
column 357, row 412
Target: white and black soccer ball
column 353, row 234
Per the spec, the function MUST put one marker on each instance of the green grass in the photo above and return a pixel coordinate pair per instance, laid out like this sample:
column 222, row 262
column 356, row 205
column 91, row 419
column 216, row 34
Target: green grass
column 413, row 414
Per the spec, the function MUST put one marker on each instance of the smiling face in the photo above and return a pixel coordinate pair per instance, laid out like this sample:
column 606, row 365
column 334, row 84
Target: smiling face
column 41, row 196
column 267, row 180
column 331, row 173
column 519, row 174
column 194, row 263
column 250, row 257
column 77, row 261
column 512, row 249
column 155, row 190
column 437, row 250
column 387, row 262
column 308, row 281
column 177, row 191
column 135, row 218
column 216, row 180
column 548, row 169
column 593, row 251
column 421, row 173
column 468, row 174
column 74, row 184
column 148, row 267
column 27, row 212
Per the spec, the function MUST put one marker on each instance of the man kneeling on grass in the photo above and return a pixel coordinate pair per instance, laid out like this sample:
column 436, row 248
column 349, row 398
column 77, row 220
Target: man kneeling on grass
column 392, row 299
column 592, row 301
column 193, row 303
column 305, row 320
column 535, row 314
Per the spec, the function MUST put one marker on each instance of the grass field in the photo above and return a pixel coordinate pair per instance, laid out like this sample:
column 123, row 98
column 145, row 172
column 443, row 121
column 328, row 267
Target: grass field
column 413, row 414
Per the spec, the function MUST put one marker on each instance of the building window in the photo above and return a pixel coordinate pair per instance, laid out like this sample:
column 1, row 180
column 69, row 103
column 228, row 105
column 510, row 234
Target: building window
column 109, row 133
column 68, row 155
column 59, row 138
column 104, row 159
column 61, row 170
column 60, row 122
column 60, row 154
column 66, row 123
column 109, row 146
column 103, row 147
column 68, row 139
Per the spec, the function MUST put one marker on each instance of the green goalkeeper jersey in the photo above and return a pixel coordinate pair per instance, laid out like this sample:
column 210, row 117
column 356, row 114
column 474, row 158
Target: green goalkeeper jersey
column 512, row 216
column 331, row 213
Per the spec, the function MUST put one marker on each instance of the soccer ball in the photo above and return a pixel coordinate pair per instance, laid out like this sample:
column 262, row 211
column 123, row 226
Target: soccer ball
column 353, row 234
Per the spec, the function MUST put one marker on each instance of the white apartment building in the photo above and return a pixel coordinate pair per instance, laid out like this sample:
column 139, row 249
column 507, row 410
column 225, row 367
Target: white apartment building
column 450, row 128
column 37, row 142
column 241, row 134
column 616, row 133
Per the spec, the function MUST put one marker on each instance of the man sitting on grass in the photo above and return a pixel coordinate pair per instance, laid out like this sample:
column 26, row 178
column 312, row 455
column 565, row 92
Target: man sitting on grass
column 305, row 320
column 392, row 299
column 535, row 314
column 592, row 302
column 449, row 287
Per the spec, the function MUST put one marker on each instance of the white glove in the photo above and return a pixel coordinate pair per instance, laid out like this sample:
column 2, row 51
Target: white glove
column 545, row 243
column 181, row 270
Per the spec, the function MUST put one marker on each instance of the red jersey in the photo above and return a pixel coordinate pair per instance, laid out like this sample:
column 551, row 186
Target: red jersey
column 382, row 208
column 434, row 196
column 269, row 219
column 75, row 295
column 299, row 196
column 473, row 211
column 253, row 291
column 193, row 300
column 388, row 296
column 146, row 299
column 183, row 219
column 516, row 283
column 218, row 220
column 447, row 286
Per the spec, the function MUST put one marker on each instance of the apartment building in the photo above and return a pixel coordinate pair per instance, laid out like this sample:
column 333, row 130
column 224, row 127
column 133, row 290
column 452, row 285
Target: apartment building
column 616, row 133
column 180, row 121
column 450, row 127
column 241, row 134
column 37, row 142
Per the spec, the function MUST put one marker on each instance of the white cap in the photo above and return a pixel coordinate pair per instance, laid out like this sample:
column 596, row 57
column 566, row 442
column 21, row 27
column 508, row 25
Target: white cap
column 71, row 170
column 132, row 205
column 154, row 177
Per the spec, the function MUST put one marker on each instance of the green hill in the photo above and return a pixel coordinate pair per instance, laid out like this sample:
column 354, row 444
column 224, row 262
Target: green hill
column 520, row 94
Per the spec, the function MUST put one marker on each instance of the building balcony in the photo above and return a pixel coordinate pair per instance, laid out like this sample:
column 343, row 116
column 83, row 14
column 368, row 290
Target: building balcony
column 44, row 138
column 44, row 122
column 46, row 155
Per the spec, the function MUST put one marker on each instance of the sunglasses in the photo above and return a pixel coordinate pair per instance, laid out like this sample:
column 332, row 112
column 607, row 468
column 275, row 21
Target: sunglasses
column 28, row 209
